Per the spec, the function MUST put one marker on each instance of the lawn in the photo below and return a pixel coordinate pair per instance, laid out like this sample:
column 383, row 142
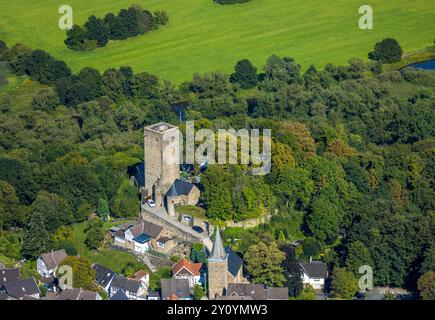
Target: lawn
column 112, row 259
column 204, row 37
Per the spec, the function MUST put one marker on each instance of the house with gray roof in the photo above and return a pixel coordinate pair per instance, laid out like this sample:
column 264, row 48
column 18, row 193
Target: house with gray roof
column 119, row 295
column 314, row 274
column 181, row 193
column 48, row 262
column 9, row 275
column 20, row 288
column 78, row 294
column 134, row 289
column 103, row 276
column 175, row 288
column 140, row 237
column 248, row 291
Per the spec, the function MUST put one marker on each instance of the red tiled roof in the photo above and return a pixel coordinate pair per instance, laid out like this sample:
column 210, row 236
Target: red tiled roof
column 173, row 297
column 193, row 268
column 140, row 274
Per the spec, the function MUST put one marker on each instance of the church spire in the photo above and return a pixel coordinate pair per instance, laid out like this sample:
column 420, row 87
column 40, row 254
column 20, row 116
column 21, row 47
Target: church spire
column 218, row 251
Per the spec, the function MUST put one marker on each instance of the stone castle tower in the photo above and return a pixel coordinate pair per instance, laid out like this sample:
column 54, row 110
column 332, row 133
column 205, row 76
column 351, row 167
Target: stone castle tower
column 217, row 269
column 162, row 158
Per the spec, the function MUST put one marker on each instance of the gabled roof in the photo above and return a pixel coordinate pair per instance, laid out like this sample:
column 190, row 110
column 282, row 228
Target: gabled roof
column 18, row 289
column 218, row 251
column 177, row 287
column 235, row 298
column 123, row 283
column 9, row 275
column 77, row 294
column 138, row 171
column 119, row 295
column 103, row 275
column 180, row 188
column 140, row 274
column 277, row 293
column 256, row 292
column 193, row 268
column 144, row 227
column 315, row 269
column 234, row 261
column 54, row 258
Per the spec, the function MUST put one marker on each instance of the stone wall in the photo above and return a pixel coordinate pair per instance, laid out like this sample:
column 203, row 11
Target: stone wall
column 248, row 223
column 176, row 232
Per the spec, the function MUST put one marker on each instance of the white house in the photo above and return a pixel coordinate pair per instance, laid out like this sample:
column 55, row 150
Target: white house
column 140, row 238
column 314, row 274
column 184, row 269
column 132, row 288
column 48, row 262
column 103, row 276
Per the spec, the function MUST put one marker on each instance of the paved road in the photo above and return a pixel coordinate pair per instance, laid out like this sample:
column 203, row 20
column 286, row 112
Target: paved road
column 161, row 213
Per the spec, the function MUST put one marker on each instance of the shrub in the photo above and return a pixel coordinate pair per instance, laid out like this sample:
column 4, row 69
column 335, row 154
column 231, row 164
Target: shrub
column 387, row 51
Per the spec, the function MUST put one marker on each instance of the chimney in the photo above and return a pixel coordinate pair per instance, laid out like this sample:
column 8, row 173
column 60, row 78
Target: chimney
column 311, row 259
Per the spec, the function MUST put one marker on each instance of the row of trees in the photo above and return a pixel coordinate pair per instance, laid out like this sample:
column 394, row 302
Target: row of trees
column 230, row 1
column 130, row 22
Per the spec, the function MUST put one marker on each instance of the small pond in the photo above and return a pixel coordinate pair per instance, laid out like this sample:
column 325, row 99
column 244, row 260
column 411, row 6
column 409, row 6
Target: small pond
column 426, row 65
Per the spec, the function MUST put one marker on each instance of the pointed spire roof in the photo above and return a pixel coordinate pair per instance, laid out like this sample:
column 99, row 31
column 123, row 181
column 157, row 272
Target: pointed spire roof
column 218, row 251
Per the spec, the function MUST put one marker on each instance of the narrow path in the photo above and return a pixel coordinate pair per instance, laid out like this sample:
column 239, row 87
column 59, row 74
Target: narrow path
column 162, row 214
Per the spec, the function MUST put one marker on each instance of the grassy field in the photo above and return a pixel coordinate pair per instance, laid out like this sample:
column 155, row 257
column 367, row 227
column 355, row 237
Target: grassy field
column 204, row 37
column 112, row 259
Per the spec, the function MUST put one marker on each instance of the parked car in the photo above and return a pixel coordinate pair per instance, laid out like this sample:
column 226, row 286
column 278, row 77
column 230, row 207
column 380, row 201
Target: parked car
column 151, row 203
column 198, row 229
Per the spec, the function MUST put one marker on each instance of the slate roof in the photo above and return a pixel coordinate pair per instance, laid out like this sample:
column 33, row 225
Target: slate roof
column 234, row 261
column 314, row 269
column 54, row 258
column 180, row 188
column 103, row 275
column 235, row 298
column 178, row 287
column 277, row 293
column 77, row 294
column 9, row 275
column 5, row 296
column 218, row 251
column 193, row 268
column 119, row 295
column 138, row 172
column 123, row 283
column 255, row 291
column 144, row 227
column 18, row 289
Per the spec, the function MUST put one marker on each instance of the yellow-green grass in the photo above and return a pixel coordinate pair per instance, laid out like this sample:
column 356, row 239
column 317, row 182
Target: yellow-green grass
column 113, row 259
column 204, row 37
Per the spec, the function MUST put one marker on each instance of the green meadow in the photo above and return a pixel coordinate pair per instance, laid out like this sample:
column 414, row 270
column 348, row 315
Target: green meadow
column 204, row 37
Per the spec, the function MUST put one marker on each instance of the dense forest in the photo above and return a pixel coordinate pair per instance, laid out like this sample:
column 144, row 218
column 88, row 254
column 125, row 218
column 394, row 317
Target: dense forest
column 353, row 154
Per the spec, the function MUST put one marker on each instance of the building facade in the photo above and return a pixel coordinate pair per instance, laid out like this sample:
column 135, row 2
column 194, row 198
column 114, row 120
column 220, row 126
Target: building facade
column 217, row 269
column 162, row 158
